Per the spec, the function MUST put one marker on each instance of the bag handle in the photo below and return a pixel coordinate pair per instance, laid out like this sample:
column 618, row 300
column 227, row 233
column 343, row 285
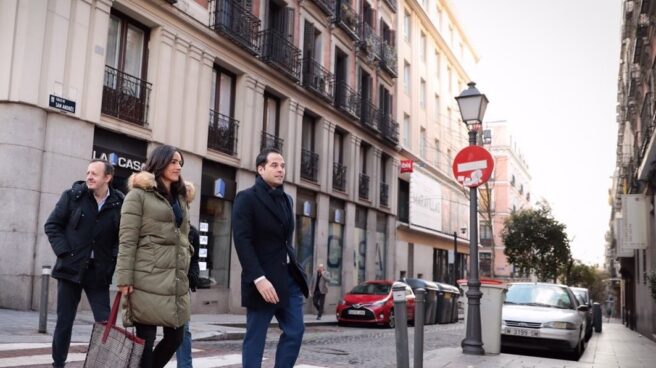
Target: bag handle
column 112, row 316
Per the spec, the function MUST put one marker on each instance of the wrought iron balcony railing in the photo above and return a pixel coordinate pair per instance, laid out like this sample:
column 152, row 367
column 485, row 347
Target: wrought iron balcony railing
column 125, row 96
column 231, row 19
column 391, row 4
column 309, row 165
column 318, row 79
column 370, row 42
column 339, row 177
column 363, row 187
column 389, row 129
column 326, row 6
column 347, row 100
column 347, row 18
column 369, row 117
column 278, row 51
column 222, row 133
column 384, row 194
column 271, row 141
column 388, row 58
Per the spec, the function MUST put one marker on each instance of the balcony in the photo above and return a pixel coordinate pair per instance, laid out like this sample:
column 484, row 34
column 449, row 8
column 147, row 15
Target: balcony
column 231, row 19
column 369, row 116
column 309, row 165
column 370, row 43
column 278, row 51
column 125, row 97
column 391, row 4
column 271, row 141
column 389, row 129
column 222, row 133
column 388, row 59
column 347, row 19
column 384, row 194
column 326, row 6
column 318, row 79
column 363, row 186
column 347, row 100
column 339, row 177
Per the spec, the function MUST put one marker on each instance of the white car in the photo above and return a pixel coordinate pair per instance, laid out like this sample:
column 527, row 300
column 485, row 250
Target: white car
column 543, row 316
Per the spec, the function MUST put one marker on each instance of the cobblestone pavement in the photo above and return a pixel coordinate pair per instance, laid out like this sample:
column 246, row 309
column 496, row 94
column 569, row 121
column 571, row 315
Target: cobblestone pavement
column 329, row 346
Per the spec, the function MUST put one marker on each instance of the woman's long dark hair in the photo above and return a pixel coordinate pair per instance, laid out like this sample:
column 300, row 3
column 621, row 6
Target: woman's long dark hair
column 157, row 162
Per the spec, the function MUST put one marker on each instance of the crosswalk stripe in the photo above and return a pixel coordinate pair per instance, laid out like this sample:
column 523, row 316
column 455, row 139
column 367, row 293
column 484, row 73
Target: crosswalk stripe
column 212, row 362
column 31, row 345
column 37, row 359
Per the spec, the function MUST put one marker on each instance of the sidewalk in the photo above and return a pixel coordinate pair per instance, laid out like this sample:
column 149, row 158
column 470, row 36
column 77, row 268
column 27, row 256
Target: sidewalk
column 616, row 346
column 22, row 326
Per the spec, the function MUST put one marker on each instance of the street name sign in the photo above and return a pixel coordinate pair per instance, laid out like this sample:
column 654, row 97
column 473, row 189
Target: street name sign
column 473, row 166
column 62, row 104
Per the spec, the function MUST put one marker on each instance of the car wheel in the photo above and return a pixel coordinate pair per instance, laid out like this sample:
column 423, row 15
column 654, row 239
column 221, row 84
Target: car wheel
column 391, row 323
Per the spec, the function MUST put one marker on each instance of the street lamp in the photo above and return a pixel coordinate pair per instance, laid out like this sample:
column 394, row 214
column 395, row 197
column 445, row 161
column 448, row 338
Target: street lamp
column 472, row 105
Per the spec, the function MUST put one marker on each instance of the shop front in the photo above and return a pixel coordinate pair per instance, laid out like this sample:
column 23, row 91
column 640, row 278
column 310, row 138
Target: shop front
column 127, row 154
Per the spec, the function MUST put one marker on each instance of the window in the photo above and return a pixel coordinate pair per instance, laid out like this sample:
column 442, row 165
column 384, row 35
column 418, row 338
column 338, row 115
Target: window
column 485, row 264
column 406, row 78
column 436, row 155
column 512, row 180
column 406, row 131
column 462, row 51
column 439, row 18
column 271, row 114
column 338, row 152
column 222, row 92
column 406, row 27
column 437, row 64
column 448, row 156
column 125, row 90
column 486, row 231
column 449, row 80
column 449, row 117
column 364, row 150
column 436, row 108
column 450, row 35
column 422, row 94
column 422, row 47
column 222, row 134
column 422, row 143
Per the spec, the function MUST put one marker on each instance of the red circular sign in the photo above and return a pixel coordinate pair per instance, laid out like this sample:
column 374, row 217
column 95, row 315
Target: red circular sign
column 473, row 166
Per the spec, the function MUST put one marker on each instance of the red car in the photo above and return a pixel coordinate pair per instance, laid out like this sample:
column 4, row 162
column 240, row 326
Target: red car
column 371, row 302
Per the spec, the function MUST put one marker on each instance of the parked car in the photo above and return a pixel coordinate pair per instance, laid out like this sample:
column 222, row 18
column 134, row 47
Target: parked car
column 371, row 302
column 583, row 296
column 543, row 316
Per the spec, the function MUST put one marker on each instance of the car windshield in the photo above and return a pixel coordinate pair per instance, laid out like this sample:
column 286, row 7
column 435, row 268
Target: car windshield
column 371, row 289
column 551, row 296
column 581, row 295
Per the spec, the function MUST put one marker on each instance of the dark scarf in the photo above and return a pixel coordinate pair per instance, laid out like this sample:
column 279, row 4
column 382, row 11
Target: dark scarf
column 280, row 198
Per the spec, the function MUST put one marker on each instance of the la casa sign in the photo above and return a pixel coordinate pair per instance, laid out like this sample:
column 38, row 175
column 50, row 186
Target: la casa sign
column 119, row 160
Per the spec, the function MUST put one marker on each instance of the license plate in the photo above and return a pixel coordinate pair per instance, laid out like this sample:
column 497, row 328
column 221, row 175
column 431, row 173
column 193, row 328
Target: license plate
column 356, row 312
column 527, row 332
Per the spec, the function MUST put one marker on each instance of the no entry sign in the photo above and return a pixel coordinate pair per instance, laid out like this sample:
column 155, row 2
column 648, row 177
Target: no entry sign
column 473, row 166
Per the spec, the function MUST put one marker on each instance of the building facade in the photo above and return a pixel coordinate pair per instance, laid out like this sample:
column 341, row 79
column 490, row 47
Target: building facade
column 631, row 249
column 508, row 190
column 433, row 209
column 220, row 80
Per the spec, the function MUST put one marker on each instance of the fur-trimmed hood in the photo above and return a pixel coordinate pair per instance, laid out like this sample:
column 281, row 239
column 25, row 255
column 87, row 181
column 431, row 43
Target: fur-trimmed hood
column 146, row 180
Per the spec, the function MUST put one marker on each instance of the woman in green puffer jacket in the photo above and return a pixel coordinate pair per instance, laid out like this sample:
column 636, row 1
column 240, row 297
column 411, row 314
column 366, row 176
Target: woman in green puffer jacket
column 154, row 254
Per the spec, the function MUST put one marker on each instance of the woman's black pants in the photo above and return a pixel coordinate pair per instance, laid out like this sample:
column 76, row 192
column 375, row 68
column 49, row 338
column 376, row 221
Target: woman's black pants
column 158, row 357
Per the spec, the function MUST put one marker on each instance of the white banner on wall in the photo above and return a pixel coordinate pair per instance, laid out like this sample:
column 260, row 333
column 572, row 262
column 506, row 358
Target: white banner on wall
column 620, row 251
column 425, row 202
column 634, row 221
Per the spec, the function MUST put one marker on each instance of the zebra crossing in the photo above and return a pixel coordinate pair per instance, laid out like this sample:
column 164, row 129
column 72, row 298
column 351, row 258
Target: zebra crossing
column 25, row 355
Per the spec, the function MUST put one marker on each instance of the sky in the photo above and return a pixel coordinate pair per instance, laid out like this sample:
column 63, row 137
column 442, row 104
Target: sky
column 550, row 68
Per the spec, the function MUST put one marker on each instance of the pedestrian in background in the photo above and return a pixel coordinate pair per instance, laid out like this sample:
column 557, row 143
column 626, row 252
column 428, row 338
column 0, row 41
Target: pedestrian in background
column 319, row 288
column 154, row 254
column 83, row 233
column 183, row 354
column 272, row 281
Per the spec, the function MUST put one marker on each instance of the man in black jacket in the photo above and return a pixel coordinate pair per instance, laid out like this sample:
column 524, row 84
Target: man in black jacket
column 272, row 281
column 83, row 233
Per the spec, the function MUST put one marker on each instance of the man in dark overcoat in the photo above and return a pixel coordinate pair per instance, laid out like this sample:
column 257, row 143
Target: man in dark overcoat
column 272, row 281
column 83, row 233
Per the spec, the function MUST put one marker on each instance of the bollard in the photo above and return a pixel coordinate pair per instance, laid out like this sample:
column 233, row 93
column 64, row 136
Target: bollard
column 43, row 305
column 401, row 326
column 420, row 300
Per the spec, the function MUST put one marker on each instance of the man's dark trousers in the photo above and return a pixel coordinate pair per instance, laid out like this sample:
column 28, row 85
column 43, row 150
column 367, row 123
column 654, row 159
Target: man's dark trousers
column 68, row 298
column 318, row 299
column 290, row 319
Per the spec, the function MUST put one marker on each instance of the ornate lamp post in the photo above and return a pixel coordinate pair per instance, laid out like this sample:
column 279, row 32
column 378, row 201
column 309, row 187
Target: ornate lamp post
column 472, row 106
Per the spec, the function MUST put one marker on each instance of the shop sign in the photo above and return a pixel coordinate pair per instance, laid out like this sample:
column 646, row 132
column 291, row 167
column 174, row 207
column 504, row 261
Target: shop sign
column 118, row 159
column 407, row 166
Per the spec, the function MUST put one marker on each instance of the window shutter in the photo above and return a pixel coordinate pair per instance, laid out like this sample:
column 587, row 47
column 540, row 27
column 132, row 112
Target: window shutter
column 308, row 41
column 289, row 22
